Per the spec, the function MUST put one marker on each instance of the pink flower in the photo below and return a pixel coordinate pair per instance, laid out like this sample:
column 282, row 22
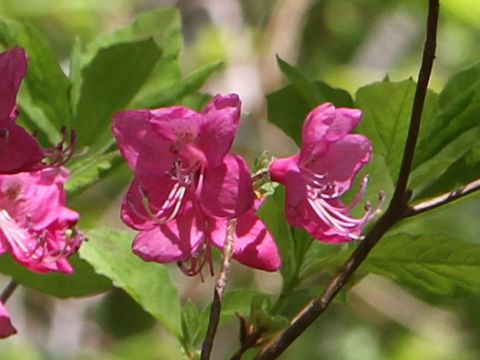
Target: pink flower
column 19, row 151
column 187, row 184
column 322, row 172
column 6, row 327
column 35, row 226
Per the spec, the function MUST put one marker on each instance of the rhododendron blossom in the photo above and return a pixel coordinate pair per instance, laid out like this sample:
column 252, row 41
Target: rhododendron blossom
column 19, row 151
column 322, row 172
column 35, row 225
column 187, row 185
column 6, row 327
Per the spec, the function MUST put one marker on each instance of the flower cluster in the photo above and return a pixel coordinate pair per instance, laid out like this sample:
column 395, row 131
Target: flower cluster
column 36, row 227
column 187, row 185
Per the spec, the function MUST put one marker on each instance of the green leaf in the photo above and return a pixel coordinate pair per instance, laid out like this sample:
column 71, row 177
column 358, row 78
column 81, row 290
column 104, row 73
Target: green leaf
column 436, row 264
column 83, row 282
column 293, row 243
column 459, row 112
column 148, row 283
column 288, row 107
column 133, row 63
column 45, row 90
column 387, row 108
column 190, row 325
column 88, row 171
column 154, row 96
column 453, row 131
column 306, row 88
column 461, row 172
column 162, row 25
column 430, row 170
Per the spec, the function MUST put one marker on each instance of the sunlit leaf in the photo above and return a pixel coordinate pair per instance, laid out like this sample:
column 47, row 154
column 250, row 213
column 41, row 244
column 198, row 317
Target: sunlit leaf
column 133, row 63
column 436, row 264
column 83, row 282
column 387, row 108
column 148, row 283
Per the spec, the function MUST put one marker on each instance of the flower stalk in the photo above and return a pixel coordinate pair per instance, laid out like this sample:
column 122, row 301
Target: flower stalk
column 219, row 290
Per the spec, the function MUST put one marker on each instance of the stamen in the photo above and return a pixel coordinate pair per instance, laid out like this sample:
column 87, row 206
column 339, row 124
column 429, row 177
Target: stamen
column 34, row 245
column 360, row 194
column 60, row 154
column 175, row 198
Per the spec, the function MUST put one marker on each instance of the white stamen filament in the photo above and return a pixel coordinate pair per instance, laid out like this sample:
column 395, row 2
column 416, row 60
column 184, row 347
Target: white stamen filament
column 12, row 231
column 173, row 204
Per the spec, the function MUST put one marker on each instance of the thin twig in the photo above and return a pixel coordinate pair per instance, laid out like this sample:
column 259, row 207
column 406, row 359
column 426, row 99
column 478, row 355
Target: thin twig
column 444, row 198
column 8, row 291
column 250, row 341
column 219, row 291
column 396, row 211
column 418, row 102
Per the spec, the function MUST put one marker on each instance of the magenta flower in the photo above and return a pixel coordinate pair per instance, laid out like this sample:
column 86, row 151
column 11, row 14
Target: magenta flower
column 322, row 172
column 6, row 327
column 19, row 151
column 187, row 185
column 35, row 226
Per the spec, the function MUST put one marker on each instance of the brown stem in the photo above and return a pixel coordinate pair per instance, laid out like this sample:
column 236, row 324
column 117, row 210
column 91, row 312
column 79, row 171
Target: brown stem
column 418, row 101
column 8, row 291
column 219, row 291
column 444, row 198
column 396, row 211
column 249, row 342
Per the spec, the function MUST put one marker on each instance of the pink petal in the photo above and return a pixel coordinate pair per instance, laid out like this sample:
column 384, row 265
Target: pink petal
column 19, row 151
column 13, row 67
column 342, row 161
column 317, row 123
column 177, row 123
column 279, row 168
column 227, row 189
column 32, row 197
column 325, row 125
column 6, row 327
column 180, row 127
column 139, row 143
column 295, row 198
column 174, row 241
column 253, row 244
column 222, row 116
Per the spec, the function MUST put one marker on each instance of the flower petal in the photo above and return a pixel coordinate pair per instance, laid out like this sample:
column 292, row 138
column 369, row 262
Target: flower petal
column 253, row 244
column 13, row 67
column 342, row 161
column 325, row 125
column 139, row 144
column 227, row 190
column 222, row 116
column 174, row 241
column 6, row 327
column 33, row 198
column 152, row 193
column 19, row 151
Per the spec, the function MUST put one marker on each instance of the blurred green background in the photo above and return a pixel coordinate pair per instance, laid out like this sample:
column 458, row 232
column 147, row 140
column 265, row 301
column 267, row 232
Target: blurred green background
column 345, row 43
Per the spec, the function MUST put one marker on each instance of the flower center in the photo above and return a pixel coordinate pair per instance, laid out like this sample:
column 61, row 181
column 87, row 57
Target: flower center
column 323, row 199
column 183, row 179
column 31, row 246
